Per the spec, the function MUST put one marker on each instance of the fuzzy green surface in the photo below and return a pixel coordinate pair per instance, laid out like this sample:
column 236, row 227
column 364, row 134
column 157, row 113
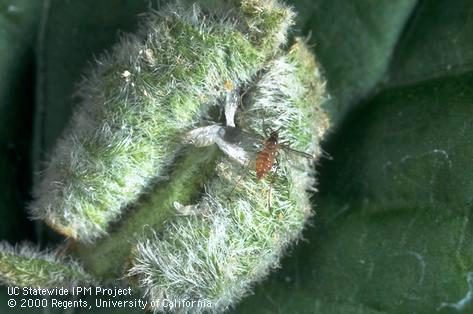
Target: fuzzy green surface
column 26, row 266
column 151, row 212
column 149, row 89
column 237, row 236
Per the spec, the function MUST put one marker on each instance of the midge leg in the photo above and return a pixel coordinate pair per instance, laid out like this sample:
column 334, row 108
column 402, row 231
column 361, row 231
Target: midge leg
column 245, row 171
column 273, row 179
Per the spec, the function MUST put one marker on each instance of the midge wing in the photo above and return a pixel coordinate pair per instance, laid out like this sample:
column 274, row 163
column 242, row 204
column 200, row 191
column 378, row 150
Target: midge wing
column 253, row 143
column 297, row 153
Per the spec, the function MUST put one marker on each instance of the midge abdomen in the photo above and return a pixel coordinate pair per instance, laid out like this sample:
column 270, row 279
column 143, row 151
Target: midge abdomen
column 265, row 159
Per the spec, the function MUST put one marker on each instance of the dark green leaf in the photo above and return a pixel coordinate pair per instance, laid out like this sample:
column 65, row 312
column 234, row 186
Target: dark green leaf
column 354, row 41
column 18, row 24
column 437, row 43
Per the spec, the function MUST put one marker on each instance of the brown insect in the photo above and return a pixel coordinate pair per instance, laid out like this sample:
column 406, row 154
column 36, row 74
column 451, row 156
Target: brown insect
column 267, row 156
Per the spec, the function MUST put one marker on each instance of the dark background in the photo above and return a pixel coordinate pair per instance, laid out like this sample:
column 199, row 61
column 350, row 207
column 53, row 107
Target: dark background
column 392, row 230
